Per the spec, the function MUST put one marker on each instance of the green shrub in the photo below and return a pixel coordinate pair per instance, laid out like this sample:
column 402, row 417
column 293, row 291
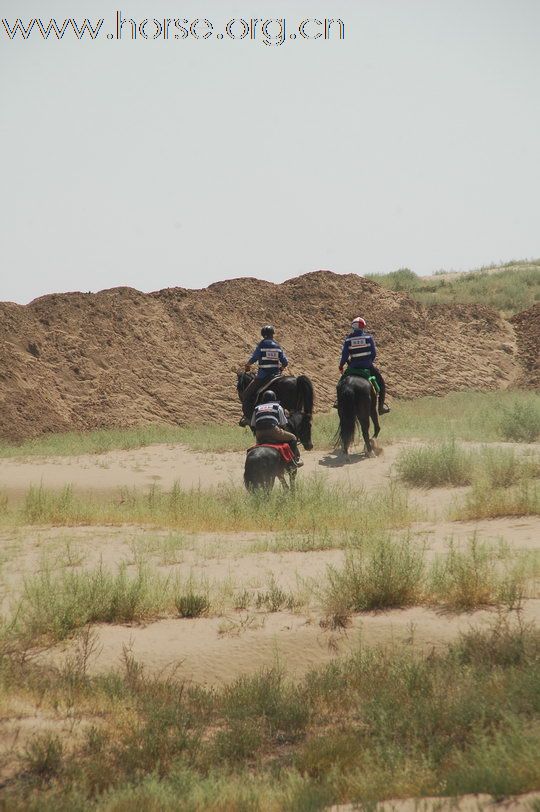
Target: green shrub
column 387, row 575
column 192, row 605
column 470, row 578
column 43, row 756
column 435, row 466
column 521, row 422
column 486, row 502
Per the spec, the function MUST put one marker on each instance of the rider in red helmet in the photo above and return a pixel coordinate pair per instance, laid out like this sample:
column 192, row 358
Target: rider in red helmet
column 359, row 351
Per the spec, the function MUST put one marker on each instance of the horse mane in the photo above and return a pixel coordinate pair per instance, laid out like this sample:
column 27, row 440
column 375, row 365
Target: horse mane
column 305, row 396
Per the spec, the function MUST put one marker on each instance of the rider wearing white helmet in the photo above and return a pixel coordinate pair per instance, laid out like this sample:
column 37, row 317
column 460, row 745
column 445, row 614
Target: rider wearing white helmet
column 270, row 424
column 359, row 351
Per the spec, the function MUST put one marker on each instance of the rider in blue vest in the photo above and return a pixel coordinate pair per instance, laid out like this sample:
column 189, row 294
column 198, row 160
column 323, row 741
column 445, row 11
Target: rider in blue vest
column 359, row 351
column 269, row 355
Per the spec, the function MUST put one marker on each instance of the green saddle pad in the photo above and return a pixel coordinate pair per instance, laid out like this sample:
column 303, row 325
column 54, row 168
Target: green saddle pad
column 361, row 372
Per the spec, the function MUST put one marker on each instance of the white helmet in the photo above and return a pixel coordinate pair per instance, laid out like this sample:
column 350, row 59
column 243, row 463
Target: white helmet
column 358, row 323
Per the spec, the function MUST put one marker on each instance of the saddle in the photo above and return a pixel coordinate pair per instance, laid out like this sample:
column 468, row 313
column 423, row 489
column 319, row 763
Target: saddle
column 267, row 385
column 283, row 448
column 362, row 372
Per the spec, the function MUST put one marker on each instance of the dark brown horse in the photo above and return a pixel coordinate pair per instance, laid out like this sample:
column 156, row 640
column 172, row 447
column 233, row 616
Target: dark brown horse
column 357, row 403
column 295, row 394
column 264, row 465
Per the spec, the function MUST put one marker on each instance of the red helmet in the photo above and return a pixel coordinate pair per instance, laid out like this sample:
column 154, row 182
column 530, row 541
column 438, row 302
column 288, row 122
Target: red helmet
column 358, row 323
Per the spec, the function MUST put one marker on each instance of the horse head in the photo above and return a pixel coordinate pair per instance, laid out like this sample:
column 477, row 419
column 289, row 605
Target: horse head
column 300, row 424
column 243, row 379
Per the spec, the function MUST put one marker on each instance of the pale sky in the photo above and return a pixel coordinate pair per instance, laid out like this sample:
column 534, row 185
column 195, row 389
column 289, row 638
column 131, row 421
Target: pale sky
column 413, row 142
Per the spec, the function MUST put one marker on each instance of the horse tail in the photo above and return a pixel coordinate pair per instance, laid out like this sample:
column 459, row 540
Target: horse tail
column 305, row 395
column 347, row 416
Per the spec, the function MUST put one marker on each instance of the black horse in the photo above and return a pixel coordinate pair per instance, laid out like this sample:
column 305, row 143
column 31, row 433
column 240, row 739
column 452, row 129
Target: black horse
column 264, row 464
column 295, row 394
column 357, row 402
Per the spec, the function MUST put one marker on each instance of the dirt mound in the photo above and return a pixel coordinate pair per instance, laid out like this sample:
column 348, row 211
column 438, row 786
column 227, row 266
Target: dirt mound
column 122, row 358
column 527, row 328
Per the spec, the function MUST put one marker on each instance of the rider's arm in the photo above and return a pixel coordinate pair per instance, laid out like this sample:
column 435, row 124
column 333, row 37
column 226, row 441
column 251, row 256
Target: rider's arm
column 283, row 360
column 373, row 348
column 255, row 356
column 344, row 354
column 281, row 418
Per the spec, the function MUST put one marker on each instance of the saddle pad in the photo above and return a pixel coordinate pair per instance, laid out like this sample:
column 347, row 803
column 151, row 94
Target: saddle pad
column 283, row 448
column 362, row 372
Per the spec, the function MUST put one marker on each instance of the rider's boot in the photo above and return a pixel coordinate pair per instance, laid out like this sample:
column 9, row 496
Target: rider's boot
column 297, row 462
column 383, row 408
column 243, row 421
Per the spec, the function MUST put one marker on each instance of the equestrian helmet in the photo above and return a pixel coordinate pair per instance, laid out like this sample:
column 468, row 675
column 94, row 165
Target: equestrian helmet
column 358, row 323
column 269, row 396
column 267, row 331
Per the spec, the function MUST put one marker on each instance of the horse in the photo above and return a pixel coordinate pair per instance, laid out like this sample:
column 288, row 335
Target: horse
column 264, row 464
column 357, row 402
column 295, row 394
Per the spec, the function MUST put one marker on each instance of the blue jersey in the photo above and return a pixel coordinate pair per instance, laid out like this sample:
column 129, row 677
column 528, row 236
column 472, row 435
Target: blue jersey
column 358, row 350
column 269, row 356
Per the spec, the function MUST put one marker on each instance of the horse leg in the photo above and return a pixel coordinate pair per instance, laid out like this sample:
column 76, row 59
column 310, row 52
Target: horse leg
column 292, row 477
column 285, row 484
column 364, row 425
column 375, row 415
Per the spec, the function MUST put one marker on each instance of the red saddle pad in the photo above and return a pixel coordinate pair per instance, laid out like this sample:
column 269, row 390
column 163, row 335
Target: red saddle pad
column 283, row 448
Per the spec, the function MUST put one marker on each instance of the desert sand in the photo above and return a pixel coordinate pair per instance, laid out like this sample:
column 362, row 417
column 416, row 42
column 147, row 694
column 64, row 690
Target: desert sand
column 216, row 649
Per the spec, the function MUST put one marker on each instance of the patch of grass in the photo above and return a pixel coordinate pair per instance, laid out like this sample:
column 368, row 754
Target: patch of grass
column 274, row 598
column 466, row 415
column 200, row 437
column 43, row 756
column 392, row 573
column 226, row 508
column 503, row 764
column 503, row 467
column 381, row 723
column 436, row 466
column 389, row 575
column 486, row 502
column 449, row 464
column 515, row 287
column 521, row 422
column 466, row 579
column 306, row 542
column 54, row 604
column 192, row 604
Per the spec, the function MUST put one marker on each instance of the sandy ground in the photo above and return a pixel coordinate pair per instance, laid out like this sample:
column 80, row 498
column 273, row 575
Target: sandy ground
column 464, row 803
column 217, row 649
column 164, row 465
column 214, row 650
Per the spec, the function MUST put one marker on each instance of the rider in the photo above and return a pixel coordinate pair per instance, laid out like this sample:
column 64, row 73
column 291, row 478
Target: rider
column 359, row 351
column 271, row 359
column 269, row 421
